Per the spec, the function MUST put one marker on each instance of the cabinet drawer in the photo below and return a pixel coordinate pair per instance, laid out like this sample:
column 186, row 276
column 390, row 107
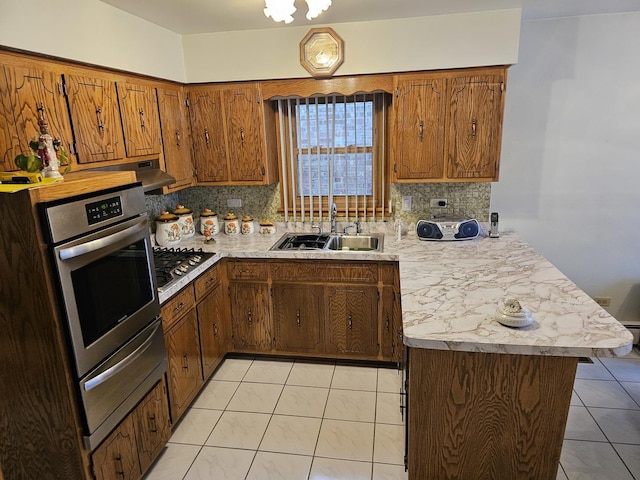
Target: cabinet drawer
column 312, row 271
column 176, row 307
column 205, row 282
column 388, row 273
column 247, row 271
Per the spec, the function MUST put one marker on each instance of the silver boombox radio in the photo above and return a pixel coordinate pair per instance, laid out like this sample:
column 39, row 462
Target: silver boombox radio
column 447, row 229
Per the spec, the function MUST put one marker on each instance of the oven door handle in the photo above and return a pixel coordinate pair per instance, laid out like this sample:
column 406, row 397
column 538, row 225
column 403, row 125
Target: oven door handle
column 111, row 371
column 100, row 243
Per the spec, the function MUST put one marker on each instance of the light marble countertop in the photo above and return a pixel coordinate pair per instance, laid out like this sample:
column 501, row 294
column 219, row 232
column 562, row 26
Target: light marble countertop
column 450, row 292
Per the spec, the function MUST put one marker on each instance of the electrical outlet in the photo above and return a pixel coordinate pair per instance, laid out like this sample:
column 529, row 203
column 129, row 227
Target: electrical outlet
column 234, row 202
column 603, row 301
column 406, row 204
column 438, row 203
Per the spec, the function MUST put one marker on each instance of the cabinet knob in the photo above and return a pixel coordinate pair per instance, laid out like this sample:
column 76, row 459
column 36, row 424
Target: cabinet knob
column 249, row 318
column 421, row 129
column 242, row 135
column 99, row 118
column 177, row 138
column 298, row 317
column 206, row 136
column 350, row 321
column 474, row 123
column 143, row 126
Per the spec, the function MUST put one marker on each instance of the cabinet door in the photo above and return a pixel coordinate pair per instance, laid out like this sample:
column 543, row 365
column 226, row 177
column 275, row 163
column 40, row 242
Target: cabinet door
column 250, row 321
column 184, row 368
column 213, row 330
column 176, row 137
column 298, row 318
column 352, row 320
column 28, row 94
column 475, row 126
column 419, row 121
column 140, row 121
column 153, row 428
column 95, row 118
column 207, row 133
column 245, row 139
column 117, row 457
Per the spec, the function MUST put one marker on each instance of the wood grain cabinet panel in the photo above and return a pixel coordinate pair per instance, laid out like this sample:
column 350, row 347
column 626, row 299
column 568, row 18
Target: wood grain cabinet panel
column 475, row 126
column 153, row 427
column 140, row 120
column 176, row 135
column 117, row 458
column 352, row 320
column 184, row 369
column 208, row 135
column 250, row 316
column 419, row 109
column 29, row 93
column 214, row 330
column 298, row 320
column 95, row 118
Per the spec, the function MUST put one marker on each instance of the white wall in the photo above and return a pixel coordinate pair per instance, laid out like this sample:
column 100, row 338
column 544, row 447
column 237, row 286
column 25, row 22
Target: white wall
column 93, row 32
column 423, row 43
column 570, row 168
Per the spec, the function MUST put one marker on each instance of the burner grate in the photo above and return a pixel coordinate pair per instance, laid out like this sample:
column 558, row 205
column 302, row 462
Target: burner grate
column 174, row 262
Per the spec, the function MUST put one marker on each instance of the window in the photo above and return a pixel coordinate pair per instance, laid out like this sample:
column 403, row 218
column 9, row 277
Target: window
column 333, row 151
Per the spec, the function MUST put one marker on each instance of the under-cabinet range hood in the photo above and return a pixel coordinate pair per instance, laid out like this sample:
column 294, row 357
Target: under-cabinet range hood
column 148, row 173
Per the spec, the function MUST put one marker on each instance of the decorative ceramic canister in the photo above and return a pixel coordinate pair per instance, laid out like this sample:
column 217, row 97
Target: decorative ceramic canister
column 231, row 224
column 267, row 227
column 167, row 230
column 209, row 221
column 185, row 220
column 248, row 226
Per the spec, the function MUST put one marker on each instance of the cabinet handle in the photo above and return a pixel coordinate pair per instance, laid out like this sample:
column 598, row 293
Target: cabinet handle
column 185, row 361
column 215, row 329
column 177, row 138
column 206, row 136
column 387, row 323
column 421, row 129
column 99, row 117
column 142, row 124
column 350, row 322
column 153, row 427
column 242, row 135
column 209, row 281
column 298, row 317
column 179, row 307
column 474, row 122
column 250, row 318
column 119, row 466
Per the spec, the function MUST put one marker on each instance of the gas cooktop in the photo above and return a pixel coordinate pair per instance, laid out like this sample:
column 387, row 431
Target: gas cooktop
column 173, row 263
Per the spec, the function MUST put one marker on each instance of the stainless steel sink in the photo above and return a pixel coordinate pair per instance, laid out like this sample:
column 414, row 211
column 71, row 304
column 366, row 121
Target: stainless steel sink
column 330, row 242
column 357, row 243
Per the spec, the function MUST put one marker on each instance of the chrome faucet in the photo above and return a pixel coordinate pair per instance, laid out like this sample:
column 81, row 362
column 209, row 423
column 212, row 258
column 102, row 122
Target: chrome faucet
column 332, row 217
column 355, row 225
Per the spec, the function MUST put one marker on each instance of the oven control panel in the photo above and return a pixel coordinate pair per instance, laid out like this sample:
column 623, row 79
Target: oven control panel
column 103, row 210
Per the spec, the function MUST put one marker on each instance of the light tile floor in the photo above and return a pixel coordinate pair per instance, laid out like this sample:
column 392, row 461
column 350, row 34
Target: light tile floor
column 262, row 419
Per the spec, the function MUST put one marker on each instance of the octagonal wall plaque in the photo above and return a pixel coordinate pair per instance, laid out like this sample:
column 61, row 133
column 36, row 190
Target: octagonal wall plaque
column 321, row 51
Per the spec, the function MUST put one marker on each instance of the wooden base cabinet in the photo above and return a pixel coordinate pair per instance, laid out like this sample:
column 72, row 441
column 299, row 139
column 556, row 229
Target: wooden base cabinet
column 128, row 452
column 250, row 316
column 352, row 320
column 486, row 415
column 298, row 320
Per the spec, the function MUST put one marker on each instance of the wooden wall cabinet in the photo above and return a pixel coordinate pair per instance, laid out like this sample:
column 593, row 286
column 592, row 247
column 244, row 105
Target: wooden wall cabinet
column 128, row 452
column 140, row 119
column 30, row 92
column 447, row 126
column 233, row 135
column 95, row 118
column 184, row 368
column 176, row 135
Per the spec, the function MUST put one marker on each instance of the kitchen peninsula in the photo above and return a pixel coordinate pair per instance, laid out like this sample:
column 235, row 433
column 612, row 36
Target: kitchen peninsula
column 484, row 400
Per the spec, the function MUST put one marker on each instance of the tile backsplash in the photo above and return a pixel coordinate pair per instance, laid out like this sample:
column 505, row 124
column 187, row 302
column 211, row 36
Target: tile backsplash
column 263, row 202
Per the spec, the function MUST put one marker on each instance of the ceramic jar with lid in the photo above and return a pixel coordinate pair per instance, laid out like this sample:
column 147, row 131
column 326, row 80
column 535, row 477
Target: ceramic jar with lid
column 209, row 221
column 231, row 224
column 267, row 227
column 167, row 230
column 247, row 225
column 185, row 220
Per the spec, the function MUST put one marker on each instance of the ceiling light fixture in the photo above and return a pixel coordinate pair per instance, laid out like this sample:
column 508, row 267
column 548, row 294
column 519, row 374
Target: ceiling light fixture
column 283, row 10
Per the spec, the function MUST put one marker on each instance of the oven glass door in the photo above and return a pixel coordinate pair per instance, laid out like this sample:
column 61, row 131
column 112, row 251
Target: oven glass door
column 108, row 289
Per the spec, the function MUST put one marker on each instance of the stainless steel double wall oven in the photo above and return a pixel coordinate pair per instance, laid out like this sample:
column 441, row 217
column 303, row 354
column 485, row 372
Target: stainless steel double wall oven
column 103, row 261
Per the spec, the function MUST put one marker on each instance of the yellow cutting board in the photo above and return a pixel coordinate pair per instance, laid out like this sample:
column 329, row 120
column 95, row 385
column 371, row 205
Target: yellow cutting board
column 15, row 187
